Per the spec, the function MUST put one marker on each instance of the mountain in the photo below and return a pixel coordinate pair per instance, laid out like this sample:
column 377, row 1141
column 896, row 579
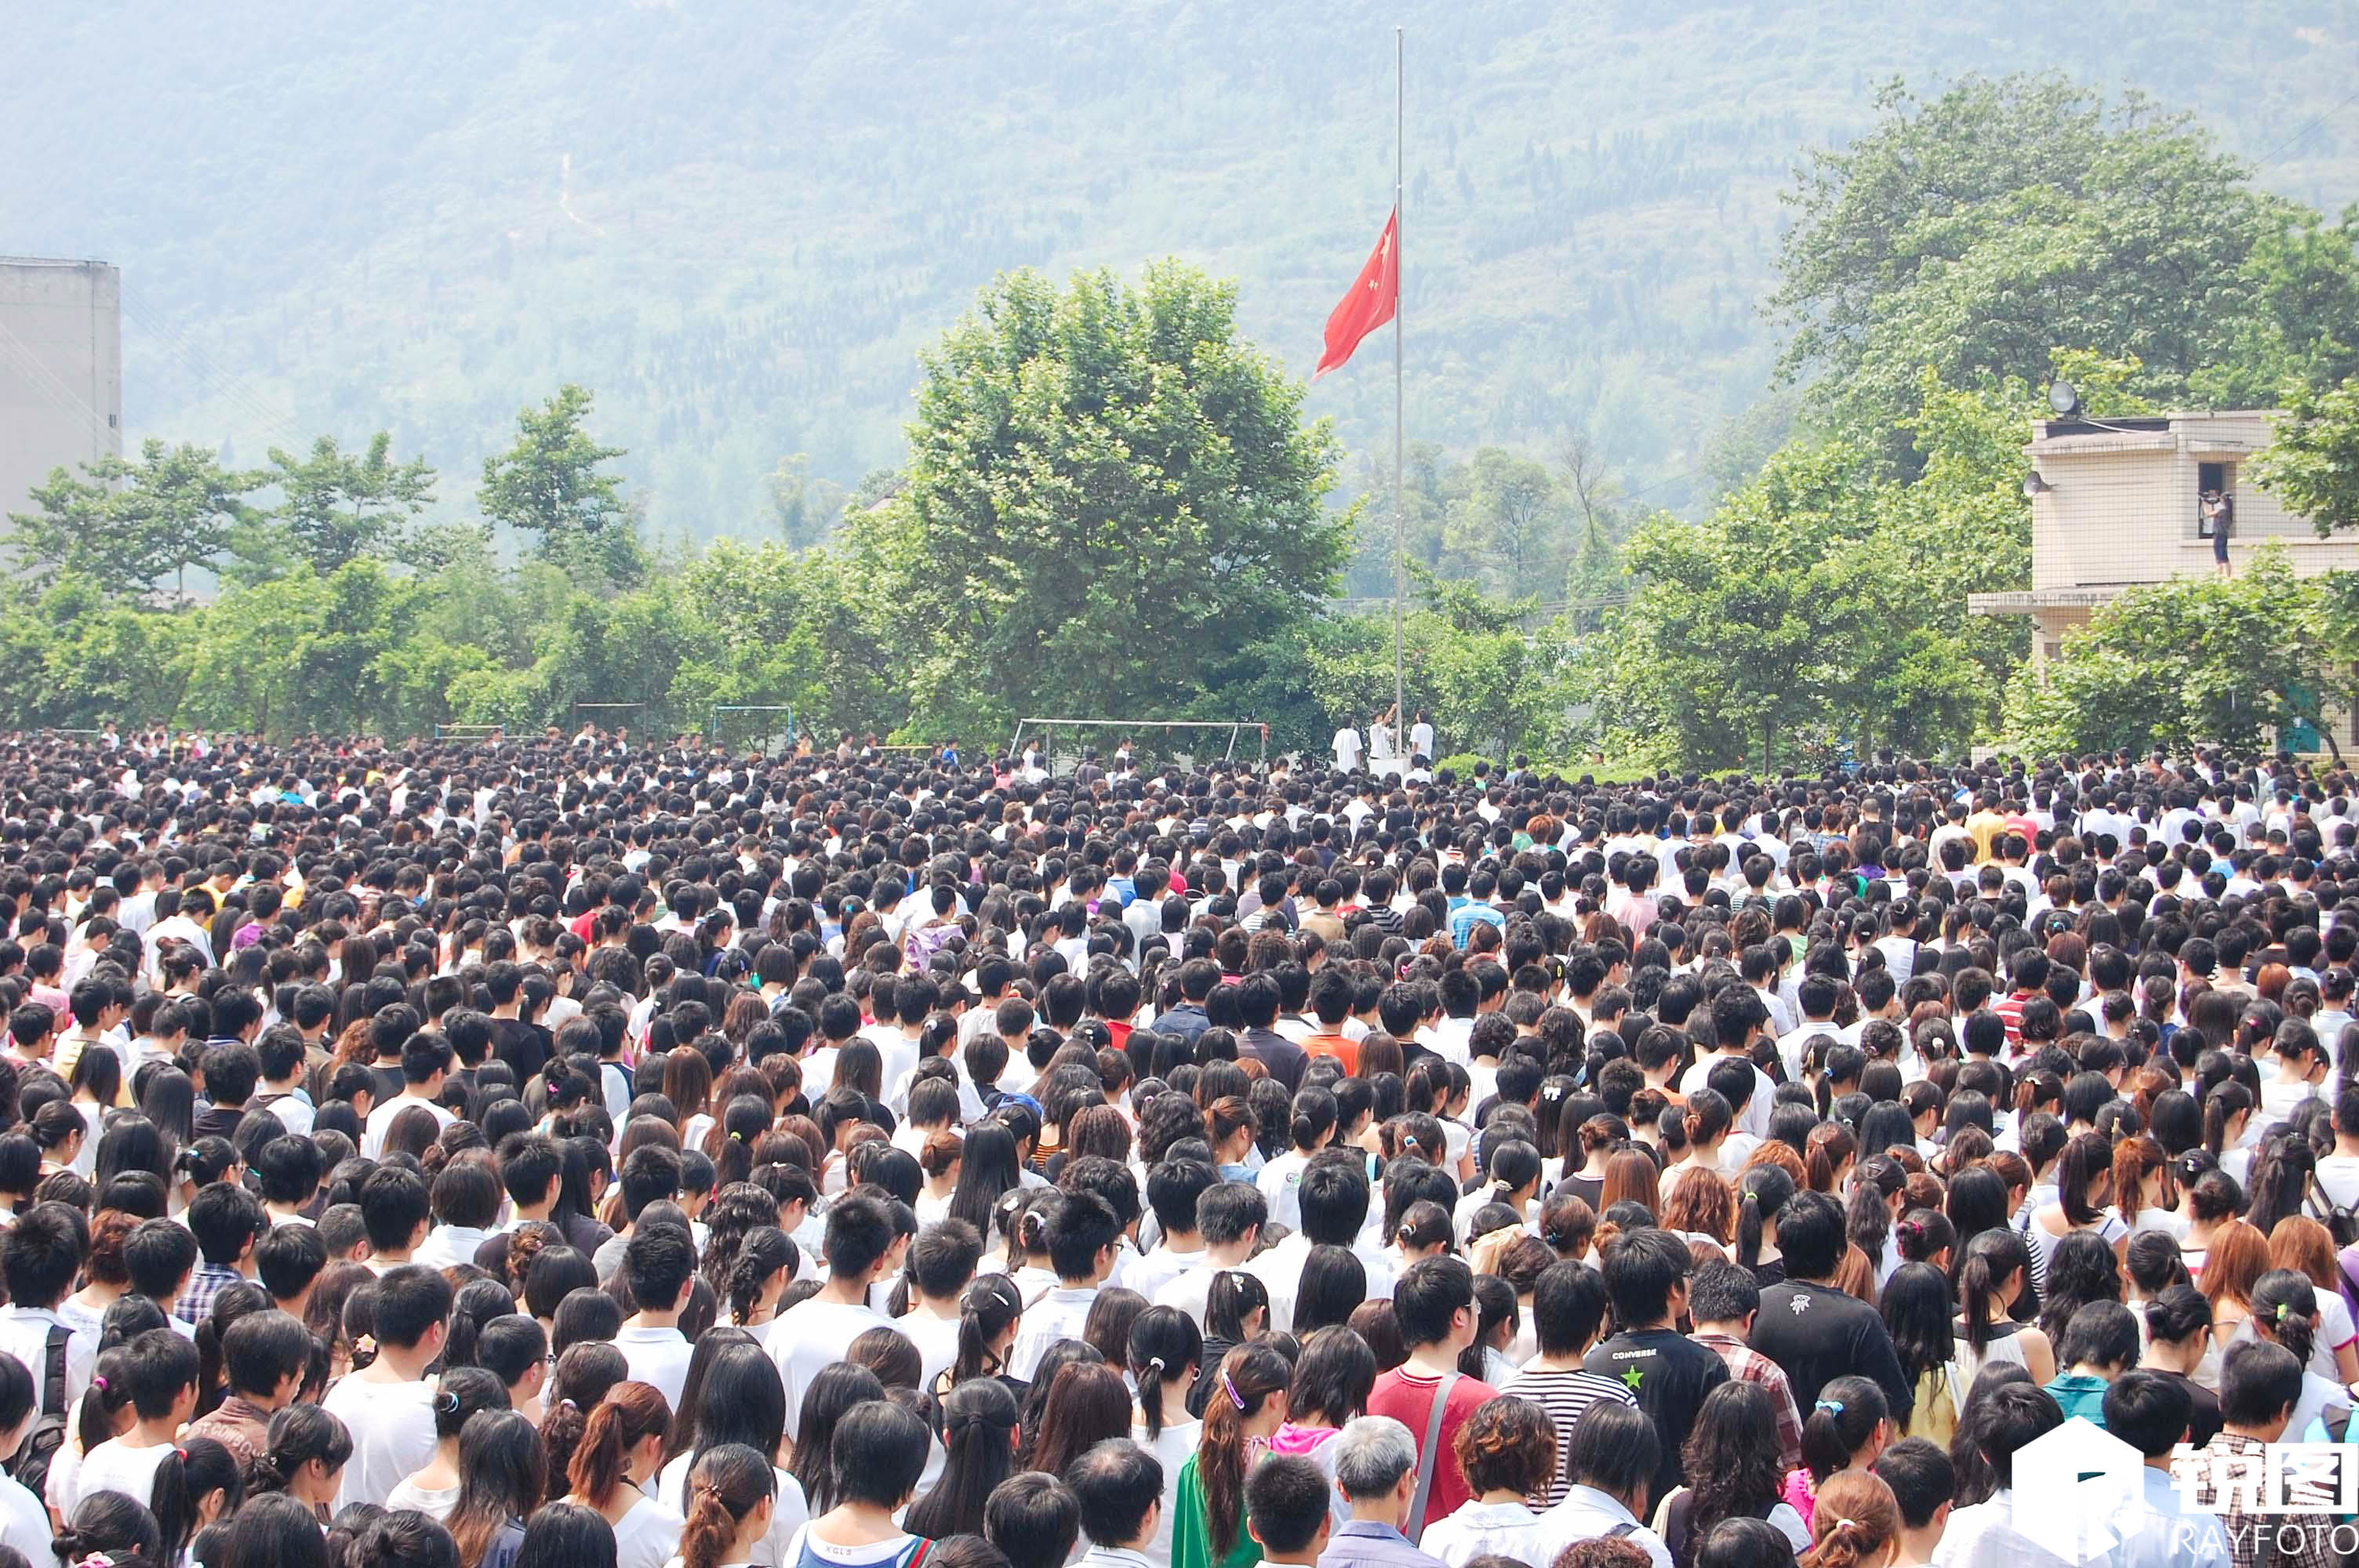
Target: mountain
column 739, row 223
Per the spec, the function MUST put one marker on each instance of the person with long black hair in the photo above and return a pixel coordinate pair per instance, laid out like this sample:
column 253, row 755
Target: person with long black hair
column 979, row 1434
column 735, row 1396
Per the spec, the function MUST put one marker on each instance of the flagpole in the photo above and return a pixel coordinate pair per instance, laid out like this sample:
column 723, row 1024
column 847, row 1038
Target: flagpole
column 1400, row 517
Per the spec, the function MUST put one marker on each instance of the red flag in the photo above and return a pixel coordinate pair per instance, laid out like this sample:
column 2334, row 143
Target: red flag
column 1370, row 303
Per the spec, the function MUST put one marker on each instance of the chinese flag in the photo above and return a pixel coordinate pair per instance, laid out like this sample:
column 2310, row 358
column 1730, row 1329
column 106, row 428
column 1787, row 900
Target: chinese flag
column 1370, row 303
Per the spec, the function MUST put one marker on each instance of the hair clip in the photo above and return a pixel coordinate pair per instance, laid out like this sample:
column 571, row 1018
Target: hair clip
column 1751, row 1196
column 1833, row 1406
column 568, row 1405
column 99, row 1383
column 364, row 1344
column 2281, row 1310
column 1155, row 1363
column 1234, row 1398
column 182, row 1452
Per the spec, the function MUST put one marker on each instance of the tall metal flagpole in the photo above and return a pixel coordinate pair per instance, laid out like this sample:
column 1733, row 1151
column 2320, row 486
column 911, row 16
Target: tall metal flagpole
column 1400, row 517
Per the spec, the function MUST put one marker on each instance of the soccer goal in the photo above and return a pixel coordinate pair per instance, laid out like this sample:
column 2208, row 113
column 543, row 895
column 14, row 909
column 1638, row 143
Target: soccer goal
column 752, row 729
column 612, row 715
column 1184, row 742
column 478, row 733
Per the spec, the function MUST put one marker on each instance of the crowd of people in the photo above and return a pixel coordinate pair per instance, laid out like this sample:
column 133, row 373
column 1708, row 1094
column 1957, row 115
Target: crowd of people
column 573, row 1153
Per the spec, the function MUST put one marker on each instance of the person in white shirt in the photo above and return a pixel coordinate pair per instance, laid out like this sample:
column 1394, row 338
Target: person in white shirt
column 863, row 1246
column 425, row 1063
column 1229, row 1218
column 659, row 1265
column 1347, row 749
column 1084, row 1234
column 387, row 1406
column 1610, row 1456
column 24, row 1522
column 1420, row 736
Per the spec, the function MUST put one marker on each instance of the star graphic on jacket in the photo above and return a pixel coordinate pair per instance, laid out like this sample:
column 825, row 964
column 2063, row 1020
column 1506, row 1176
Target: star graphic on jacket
column 1632, row 1379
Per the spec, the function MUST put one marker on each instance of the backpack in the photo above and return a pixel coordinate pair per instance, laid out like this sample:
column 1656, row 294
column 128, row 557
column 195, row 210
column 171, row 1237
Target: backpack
column 32, row 1467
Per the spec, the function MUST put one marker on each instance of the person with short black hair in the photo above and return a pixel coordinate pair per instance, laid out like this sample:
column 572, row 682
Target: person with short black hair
column 1119, row 1488
column 1286, row 1508
column 425, row 1063
column 1666, row 1373
column 227, row 1221
column 1925, row 1484
column 39, row 1256
column 1567, row 1311
column 264, row 1357
column 1083, row 1238
column 864, row 1246
column 387, row 1405
column 1614, row 1458
column 2152, row 1523
column 159, row 1372
column 1434, row 1304
column 160, row 1256
column 1829, row 1334
column 659, row 1265
column 2260, row 1384
column 1034, row 1518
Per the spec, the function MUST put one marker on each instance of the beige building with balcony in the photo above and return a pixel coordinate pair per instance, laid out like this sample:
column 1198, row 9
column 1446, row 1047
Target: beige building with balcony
column 2117, row 503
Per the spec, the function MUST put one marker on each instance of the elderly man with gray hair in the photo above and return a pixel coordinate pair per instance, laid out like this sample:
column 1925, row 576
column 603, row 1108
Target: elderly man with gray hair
column 1375, row 1469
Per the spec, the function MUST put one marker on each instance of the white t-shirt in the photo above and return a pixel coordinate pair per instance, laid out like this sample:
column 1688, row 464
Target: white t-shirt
column 23, row 1523
column 2338, row 1178
column 379, row 1120
column 1347, row 749
column 811, row 1336
column 647, row 1536
column 114, row 1467
column 658, row 1356
column 393, row 1436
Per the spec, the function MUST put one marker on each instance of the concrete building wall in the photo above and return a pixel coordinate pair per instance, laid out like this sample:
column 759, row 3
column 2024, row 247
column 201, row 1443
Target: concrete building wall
column 60, row 370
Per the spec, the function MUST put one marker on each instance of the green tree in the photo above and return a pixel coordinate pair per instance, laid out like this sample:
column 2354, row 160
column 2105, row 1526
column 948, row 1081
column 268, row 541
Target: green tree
column 807, row 508
column 2312, row 462
column 1107, row 492
column 550, row 486
column 336, row 507
column 1510, row 529
column 124, row 524
column 2189, row 661
column 1977, row 231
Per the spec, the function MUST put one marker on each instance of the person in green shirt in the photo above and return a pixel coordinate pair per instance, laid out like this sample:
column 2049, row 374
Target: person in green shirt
column 1246, row 1407
column 2100, row 1343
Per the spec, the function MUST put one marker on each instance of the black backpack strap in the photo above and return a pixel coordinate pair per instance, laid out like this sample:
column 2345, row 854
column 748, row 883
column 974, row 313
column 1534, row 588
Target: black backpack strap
column 53, row 1369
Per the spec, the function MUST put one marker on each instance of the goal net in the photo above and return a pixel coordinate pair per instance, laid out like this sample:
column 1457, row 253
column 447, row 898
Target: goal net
column 471, row 731
column 1061, row 744
column 612, row 716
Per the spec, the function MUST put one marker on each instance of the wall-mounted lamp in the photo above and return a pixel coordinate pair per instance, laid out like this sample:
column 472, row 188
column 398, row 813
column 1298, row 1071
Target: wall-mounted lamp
column 2035, row 486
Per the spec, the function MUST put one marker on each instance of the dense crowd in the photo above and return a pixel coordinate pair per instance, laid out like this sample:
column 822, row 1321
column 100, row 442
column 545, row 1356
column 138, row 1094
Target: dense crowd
column 570, row 1153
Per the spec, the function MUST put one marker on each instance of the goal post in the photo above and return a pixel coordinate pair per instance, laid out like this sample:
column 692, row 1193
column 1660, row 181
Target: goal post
column 607, row 715
column 471, row 731
column 1064, row 740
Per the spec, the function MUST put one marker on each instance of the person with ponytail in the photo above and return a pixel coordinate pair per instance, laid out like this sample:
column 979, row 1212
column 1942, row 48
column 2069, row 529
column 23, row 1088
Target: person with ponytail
column 835, row 1392
column 1762, row 1192
column 621, row 1448
column 1705, row 1123
column 988, row 1314
column 980, row 1430
column 732, row 1497
column 1846, row 1428
column 1165, row 1357
column 113, row 1526
column 197, row 1483
column 1857, row 1524
column 434, row 1489
column 584, row 1374
column 304, row 1459
column 504, row 1473
column 1248, row 1406
column 758, row 1276
column 1310, row 1127
column 1236, row 1311
column 1332, row 1379
column 1513, row 1180
column 2285, row 1313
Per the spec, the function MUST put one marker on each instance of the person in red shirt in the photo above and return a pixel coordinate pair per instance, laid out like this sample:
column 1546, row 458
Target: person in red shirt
column 1331, row 995
column 1434, row 1304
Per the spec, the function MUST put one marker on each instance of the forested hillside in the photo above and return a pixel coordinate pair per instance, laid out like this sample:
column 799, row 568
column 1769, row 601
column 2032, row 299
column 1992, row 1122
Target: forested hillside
column 738, row 222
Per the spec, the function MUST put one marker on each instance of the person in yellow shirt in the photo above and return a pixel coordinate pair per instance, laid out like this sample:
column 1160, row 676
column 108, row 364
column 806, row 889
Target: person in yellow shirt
column 1984, row 826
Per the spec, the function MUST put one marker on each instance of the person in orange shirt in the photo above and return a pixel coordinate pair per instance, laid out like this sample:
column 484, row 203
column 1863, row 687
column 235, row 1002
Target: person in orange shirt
column 1330, row 1003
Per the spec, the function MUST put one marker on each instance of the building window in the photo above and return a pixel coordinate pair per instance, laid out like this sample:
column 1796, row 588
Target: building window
column 2214, row 481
